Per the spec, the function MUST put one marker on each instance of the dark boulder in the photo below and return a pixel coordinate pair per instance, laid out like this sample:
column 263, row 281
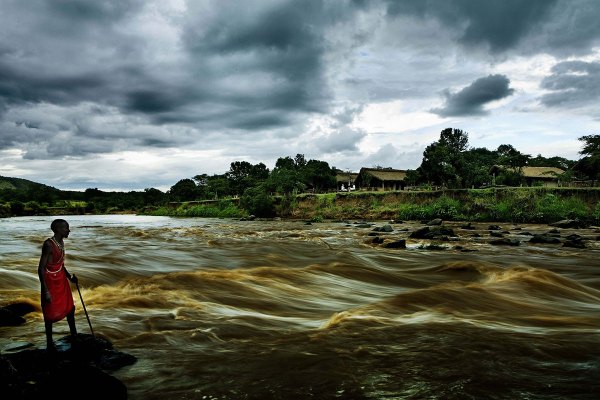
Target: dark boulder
column 377, row 240
column 12, row 314
column 468, row 226
column 432, row 232
column 569, row 223
column 75, row 370
column 545, row 239
column 398, row 244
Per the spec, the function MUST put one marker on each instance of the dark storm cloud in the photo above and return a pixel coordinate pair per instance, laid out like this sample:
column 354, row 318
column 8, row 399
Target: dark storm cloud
column 573, row 84
column 471, row 99
column 561, row 27
column 240, row 68
column 497, row 23
column 19, row 86
column 283, row 44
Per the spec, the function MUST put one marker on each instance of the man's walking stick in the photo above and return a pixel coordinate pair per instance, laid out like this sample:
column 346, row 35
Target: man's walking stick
column 83, row 304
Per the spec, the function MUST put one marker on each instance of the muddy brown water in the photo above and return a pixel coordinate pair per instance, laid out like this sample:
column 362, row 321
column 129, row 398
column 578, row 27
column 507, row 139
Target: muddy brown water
column 224, row 309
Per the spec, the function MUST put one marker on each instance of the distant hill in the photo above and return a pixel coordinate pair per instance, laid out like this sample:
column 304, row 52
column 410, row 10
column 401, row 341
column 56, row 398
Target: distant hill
column 7, row 183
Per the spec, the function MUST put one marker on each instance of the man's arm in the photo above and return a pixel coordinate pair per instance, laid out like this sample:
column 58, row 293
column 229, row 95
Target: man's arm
column 46, row 254
column 70, row 277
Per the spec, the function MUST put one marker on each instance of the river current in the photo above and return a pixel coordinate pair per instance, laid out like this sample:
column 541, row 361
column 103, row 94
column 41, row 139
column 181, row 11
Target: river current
column 226, row 309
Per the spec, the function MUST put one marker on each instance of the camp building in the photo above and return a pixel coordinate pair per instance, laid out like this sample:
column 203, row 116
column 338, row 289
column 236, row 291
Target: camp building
column 536, row 176
column 381, row 179
column 345, row 180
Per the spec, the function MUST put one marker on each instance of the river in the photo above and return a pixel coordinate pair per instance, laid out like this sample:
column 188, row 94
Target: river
column 226, row 309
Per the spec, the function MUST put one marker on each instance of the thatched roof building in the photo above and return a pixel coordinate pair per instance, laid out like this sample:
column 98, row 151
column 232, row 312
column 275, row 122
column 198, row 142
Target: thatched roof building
column 345, row 180
column 535, row 176
column 381, row 179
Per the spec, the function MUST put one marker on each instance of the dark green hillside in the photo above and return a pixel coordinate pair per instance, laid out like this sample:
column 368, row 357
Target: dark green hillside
column 7, row 183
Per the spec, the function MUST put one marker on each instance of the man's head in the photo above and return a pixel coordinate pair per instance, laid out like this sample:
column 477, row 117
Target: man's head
column 60, row 227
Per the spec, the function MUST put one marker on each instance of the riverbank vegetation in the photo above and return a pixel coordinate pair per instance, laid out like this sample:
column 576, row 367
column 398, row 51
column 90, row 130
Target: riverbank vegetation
column 300, row 188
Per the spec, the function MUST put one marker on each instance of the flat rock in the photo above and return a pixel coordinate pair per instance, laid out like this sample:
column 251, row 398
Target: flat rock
column 77, row 369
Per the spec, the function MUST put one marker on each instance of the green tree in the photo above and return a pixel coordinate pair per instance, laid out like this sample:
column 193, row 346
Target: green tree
column 318, row 175
column 243, row 175
column 412, row 177
column 258, row 202
column 285, row 181
column 152, row 196
column 589, row 165
column 510, row 157
column 300, row 161
column 184, row 190
column 477, row 165
column 556, row 162
column 285, row 163
column 218, row 186
column 443, row 161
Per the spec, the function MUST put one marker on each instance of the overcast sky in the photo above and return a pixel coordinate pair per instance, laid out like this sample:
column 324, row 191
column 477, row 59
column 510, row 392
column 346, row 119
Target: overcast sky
column 128, row 95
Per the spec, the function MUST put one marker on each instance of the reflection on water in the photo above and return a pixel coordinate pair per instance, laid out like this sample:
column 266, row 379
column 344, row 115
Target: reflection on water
column 282, row 310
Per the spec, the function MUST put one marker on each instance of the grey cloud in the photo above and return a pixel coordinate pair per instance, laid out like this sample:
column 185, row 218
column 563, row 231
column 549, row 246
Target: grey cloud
column 561, row 27
column 345, row 139
column 83, row 10
column 44, row 132
column 501, row 24
column 471, row 99
column 573, row 84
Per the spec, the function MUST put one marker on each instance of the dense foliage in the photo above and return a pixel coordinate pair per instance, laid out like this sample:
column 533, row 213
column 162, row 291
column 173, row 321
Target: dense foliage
column 249, row 188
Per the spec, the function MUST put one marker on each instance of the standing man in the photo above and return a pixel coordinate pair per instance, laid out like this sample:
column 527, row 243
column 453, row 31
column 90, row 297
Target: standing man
column 56, row 296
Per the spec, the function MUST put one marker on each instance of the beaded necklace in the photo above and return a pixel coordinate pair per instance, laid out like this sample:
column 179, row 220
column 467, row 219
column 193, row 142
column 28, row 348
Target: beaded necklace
column 62, row 254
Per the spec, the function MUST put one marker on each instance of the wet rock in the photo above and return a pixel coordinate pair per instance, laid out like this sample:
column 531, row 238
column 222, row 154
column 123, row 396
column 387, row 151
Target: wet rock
column 398, row 244
column 432, row 232
column 545, row 239
column 577, row 243
column 75, row 370
column 574, row 236
column 569, row 223
column 363, row 225
column 12, row 314
column 574, row 240
column 496, row 234
column 468, row 226
column 377, row 240
column 385, row 228
column 494, row 228
column 373, row 234
column 525, row 233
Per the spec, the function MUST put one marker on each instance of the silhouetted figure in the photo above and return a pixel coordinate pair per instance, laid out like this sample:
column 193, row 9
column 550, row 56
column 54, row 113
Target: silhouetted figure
column 56, row 296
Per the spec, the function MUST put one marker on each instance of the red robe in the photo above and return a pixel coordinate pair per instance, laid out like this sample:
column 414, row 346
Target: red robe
column 57, row 284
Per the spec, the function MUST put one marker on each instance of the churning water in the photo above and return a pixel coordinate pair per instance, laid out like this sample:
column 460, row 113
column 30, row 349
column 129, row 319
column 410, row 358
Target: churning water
column 283, row 310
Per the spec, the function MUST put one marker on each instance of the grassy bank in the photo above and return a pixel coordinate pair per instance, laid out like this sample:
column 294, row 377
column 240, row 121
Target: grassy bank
column 221, row 209
column 535, row 205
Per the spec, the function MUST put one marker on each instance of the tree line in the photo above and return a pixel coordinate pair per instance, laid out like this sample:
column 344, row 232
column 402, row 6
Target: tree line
column 449, row 162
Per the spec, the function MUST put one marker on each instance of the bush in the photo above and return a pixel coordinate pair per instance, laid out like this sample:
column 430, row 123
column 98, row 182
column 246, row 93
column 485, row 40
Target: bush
column 17, row 208
column 258, row 202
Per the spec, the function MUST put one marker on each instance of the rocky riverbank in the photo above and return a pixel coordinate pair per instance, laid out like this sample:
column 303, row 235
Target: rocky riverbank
column 79, row 368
